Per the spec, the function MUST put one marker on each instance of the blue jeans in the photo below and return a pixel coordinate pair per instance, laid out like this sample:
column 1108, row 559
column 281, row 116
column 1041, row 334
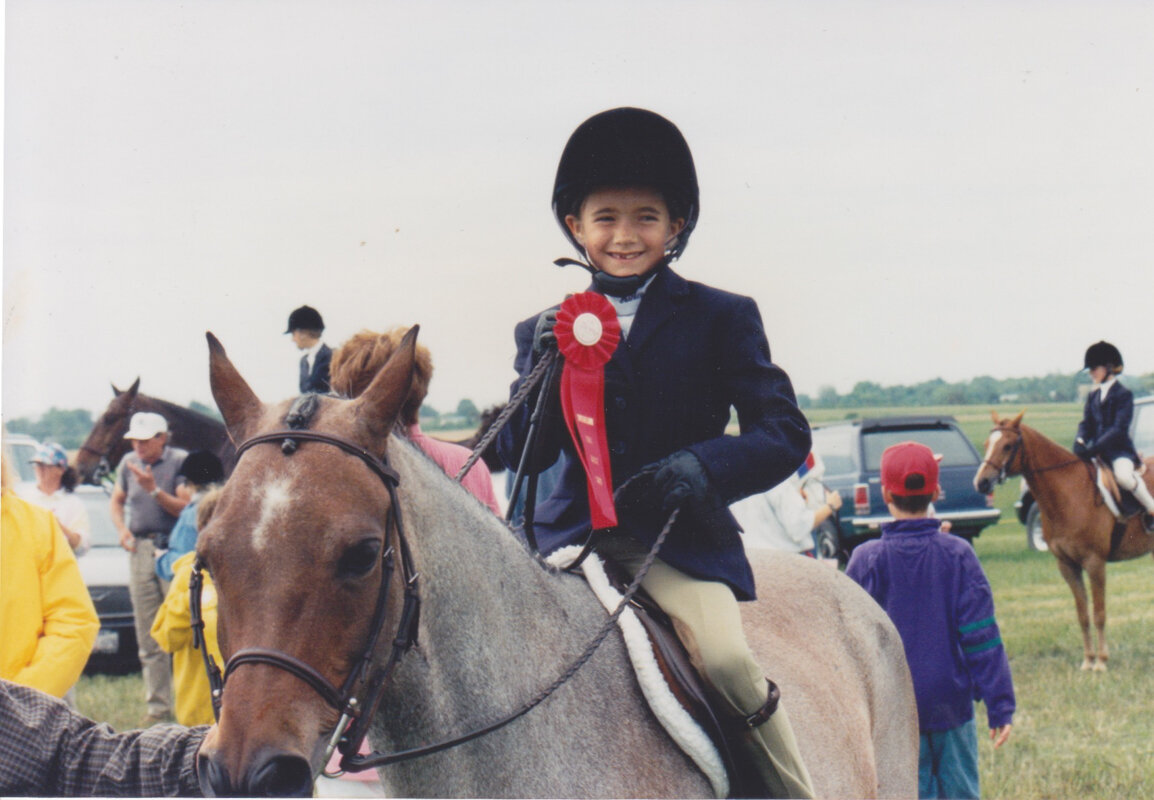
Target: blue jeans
column 948, row 763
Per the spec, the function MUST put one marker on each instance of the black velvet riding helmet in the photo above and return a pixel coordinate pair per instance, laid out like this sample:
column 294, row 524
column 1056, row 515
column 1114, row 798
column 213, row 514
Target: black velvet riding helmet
column 1103, row 354
column 628, row 147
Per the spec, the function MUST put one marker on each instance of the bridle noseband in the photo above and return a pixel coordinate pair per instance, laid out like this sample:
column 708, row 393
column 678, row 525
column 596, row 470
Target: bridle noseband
column 355, row 713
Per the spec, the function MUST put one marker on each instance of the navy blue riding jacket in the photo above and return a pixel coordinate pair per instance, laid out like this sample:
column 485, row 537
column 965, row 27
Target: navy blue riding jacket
column 693, row 353
column 1105, row 426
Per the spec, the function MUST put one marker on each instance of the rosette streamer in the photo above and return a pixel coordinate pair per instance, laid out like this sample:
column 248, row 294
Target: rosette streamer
column 587, row 333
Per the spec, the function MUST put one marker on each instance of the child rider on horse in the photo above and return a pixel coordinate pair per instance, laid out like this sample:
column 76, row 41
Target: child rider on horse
column 626, row 196
column 1105, row 427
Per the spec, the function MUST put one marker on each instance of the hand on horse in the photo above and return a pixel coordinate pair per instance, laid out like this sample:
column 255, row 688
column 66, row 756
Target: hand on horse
column 543, row 336
column 680, row 480
column 1083, row 450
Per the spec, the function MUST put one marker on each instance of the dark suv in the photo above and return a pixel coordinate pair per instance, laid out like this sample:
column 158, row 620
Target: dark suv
column 1141, row 433
column 852, row 452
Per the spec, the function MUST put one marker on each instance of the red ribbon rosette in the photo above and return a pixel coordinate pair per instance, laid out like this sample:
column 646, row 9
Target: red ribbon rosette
column 587, row 334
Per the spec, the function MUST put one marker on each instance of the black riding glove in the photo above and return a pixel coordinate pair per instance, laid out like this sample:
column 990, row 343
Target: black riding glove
column 543, row 336
column 680, row 480
column 1083, row 450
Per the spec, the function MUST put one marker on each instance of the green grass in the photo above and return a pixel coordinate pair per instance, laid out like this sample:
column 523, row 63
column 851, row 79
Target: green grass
column 115, row 699
column 1076, row 733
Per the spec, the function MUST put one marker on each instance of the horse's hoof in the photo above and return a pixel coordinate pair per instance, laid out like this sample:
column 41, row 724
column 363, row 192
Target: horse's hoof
column 1087, row 665
column 1100, row 666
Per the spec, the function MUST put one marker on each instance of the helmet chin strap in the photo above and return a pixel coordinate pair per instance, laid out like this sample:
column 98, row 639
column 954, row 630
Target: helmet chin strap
column 613, row 285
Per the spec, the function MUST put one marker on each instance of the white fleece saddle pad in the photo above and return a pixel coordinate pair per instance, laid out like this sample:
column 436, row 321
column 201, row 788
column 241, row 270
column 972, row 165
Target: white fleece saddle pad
column 682, row 728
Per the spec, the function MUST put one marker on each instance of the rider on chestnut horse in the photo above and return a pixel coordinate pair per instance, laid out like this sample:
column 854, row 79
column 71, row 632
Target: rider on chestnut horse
column 1104, row 430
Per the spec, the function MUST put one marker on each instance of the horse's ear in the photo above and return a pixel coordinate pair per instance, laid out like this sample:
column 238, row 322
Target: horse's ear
column 238, row 404
column 1017, row 421
column 377, row 408
column 994, row 417
column 130, row 390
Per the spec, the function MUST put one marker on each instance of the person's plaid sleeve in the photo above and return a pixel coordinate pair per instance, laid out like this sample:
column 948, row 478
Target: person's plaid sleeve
column 46, row 748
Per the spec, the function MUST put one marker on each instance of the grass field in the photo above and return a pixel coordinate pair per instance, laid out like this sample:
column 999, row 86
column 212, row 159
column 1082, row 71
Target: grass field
column 1076, row 734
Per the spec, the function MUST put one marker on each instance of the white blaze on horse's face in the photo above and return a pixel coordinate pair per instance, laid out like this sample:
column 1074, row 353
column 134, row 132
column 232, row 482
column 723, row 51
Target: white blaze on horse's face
column 991, row 444
column 275, row 499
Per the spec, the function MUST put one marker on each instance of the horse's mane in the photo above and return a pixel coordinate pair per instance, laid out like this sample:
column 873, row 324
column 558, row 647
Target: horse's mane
column 176, row 409
column 431, row 476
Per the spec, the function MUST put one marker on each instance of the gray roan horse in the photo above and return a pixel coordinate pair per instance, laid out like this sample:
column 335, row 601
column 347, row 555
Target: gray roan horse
column 296, row 546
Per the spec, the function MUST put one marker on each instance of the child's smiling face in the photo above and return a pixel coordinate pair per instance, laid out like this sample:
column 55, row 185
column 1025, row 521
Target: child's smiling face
column 624, row 231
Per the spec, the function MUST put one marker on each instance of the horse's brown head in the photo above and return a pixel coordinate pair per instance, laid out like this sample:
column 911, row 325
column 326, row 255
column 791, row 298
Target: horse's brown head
column 295, row 548
column 105, row 445
column 1003, row 453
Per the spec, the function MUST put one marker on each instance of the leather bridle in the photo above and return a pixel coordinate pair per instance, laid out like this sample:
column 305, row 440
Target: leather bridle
column 1018, row 449
column 357, row 713
column 357, row 698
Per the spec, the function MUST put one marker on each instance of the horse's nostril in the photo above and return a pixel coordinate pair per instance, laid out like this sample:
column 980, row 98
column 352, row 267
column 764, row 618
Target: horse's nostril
column 213, row 777
column 282, row 776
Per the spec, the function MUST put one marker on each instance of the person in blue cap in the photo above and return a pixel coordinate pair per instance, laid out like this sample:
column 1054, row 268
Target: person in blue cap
column 626, row 196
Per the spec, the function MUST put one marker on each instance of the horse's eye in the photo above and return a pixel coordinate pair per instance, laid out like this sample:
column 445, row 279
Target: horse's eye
column 359, row 559
column 1006, row 448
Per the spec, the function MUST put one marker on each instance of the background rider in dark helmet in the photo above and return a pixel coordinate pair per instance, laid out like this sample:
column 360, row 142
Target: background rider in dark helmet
column 626, row 196
column 1105, row 427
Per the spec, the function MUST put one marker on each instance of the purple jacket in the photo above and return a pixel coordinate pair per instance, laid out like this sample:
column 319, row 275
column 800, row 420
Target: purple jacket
column 933, row 588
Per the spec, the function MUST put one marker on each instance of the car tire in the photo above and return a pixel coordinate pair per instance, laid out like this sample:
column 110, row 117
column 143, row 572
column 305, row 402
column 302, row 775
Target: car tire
column 1035, row 540
column 828, row 543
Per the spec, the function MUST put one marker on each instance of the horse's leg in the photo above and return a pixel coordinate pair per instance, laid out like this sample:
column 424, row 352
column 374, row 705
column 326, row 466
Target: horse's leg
column 1072, row 572
column 1096, row 569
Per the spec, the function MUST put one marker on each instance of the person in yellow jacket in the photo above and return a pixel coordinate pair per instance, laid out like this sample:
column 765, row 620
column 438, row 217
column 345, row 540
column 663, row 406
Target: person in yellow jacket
column 46, row 614
column 172, row 629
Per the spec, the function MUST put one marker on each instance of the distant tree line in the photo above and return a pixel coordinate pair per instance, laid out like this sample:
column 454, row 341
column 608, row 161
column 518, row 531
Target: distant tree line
column 983, row 390
column 67, row 427
column 70, row 427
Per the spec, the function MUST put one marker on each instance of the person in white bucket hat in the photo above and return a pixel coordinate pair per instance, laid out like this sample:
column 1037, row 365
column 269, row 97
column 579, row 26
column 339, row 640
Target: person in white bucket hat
column 149, row 486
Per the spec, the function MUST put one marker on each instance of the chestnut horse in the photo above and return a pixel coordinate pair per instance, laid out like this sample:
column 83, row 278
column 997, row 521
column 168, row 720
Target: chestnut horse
column 1076, row 523
column 106, row 445
column 324, row 497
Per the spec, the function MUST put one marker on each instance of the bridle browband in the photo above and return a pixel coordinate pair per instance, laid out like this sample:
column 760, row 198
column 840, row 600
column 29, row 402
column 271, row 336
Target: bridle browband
column 355, row 713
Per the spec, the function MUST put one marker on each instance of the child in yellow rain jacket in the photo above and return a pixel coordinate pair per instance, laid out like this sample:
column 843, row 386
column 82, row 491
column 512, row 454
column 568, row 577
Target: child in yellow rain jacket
column 172, row 629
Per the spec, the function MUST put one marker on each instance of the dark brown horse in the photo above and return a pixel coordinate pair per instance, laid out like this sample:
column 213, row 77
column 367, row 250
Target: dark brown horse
column 106, row 445
column 1076, row 523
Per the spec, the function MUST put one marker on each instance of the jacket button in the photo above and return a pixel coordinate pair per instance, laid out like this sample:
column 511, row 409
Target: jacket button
column 619, row 402
column 617, row 447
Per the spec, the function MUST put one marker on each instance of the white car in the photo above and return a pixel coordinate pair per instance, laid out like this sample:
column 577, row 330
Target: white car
column 105, row 571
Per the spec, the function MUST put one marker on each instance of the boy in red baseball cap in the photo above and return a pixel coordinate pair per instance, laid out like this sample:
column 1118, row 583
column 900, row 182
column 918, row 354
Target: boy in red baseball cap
column 933, row 587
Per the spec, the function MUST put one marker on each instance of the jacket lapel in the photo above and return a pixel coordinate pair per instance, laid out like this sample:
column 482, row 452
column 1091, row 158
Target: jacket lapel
column 657, row 306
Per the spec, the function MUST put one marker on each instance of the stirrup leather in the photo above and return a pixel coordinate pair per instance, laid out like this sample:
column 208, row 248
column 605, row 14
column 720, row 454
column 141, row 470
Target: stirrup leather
column 762, row 715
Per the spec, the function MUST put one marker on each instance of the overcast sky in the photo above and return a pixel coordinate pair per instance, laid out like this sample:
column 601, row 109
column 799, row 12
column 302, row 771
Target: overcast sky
column 909, row 190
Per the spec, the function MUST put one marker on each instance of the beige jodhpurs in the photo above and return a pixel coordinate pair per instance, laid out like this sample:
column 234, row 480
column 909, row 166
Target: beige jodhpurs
column 708, row 621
